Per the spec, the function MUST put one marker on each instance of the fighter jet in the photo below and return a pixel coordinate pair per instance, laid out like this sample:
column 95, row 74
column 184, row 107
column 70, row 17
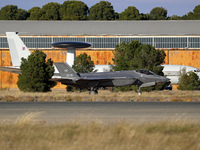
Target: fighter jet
column 92, row 81
column 95, row 80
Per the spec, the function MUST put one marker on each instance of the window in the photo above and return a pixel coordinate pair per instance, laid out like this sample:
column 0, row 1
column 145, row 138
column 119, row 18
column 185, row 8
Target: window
column 60, row 39
column 3, row 42
column 110, row 42
column 194, row 42
column 37, row 42
column 141, row 40
column 170, row 42
column 103, row 42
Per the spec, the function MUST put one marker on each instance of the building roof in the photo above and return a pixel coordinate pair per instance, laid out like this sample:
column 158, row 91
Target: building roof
column 144, row 28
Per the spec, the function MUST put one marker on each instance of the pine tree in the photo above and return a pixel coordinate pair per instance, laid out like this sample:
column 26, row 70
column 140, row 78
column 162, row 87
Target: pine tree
column 83, row 64
column 188, row 81
column 35, row 73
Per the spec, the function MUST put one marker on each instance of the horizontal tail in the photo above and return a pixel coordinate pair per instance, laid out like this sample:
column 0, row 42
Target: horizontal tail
column 17, row 48
column 66, row 71
column 11, row 69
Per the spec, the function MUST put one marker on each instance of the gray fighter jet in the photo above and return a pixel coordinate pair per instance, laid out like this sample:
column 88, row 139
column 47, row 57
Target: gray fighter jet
column 95, row 80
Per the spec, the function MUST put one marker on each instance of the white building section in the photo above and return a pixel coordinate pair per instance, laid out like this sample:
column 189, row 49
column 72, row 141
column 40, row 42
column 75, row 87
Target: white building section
column 173, row 72
column 71, row 56
column 102, row 68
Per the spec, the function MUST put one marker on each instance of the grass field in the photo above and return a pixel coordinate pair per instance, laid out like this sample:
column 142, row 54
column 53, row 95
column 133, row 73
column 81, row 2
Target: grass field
column 104, row 95
column 119, row 136
column 25, row 133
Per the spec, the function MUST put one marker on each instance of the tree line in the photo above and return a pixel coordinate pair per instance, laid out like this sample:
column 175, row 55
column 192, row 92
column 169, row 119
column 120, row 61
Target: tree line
column 78, row 10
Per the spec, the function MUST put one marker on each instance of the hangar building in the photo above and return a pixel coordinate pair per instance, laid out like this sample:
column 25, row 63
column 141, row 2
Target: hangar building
column 179, row 39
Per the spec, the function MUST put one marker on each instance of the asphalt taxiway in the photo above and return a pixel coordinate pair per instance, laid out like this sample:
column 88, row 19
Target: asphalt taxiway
column 104, row 112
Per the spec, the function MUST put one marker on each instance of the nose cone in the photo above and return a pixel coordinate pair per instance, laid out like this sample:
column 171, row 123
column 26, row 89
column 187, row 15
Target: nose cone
column 164, row 79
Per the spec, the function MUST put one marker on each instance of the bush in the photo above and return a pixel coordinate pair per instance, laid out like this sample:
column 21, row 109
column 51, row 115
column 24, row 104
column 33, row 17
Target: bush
column 35, row 73
column 83, row 64
column 188, row 81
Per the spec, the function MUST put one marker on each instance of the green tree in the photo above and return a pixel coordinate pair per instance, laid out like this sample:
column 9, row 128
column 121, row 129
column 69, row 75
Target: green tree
column 35, row 73
column 35, row 13
column 195, row 15
column 175, row 17
column 135, row 55
column 102, row 11
column 158, row 13
column 83, row 64
column 11, row 12
column 73, row 10
column 189, row 16
column 188, row 81
column 50, row 11
column 8, row 12
column 131, row 13
column 197, row 12
column 144, row 16
column 21, row 14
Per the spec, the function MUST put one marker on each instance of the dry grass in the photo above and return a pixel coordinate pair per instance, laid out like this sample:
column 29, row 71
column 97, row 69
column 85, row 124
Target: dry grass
column 26, row 119
column 27, row 133
column 119, row 136
column 104, row 95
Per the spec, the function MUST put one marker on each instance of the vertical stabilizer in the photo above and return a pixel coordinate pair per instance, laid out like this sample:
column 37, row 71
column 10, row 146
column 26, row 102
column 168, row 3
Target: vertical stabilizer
column 66, row 71
column 17, row 48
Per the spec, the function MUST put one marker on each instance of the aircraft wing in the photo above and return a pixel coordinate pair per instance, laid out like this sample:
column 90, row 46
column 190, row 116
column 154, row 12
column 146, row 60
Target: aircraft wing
column 10, row 69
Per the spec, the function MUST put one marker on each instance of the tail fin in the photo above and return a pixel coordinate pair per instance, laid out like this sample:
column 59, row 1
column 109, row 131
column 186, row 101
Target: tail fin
column 66, row 71
column 17, row 48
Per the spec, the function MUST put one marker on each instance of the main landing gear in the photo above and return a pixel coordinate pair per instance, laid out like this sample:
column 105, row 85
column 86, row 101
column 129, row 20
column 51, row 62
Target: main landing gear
column 93, row 91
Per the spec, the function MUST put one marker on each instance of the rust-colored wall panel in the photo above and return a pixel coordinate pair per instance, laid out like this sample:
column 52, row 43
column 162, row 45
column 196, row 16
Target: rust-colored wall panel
column 100, row 57
column 184, row 57
column 56, row 56
column 88, row 52
column 110, row 57
column 59, row 86
column 166, row 57
column 5, row 58
column 8, row 80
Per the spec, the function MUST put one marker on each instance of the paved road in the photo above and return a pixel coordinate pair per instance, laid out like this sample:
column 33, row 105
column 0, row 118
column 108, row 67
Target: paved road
column 105, row 112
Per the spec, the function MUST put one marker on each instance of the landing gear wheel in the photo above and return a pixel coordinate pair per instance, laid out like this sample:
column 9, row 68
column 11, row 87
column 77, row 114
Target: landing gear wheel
column 93, row 92
column 139, row 91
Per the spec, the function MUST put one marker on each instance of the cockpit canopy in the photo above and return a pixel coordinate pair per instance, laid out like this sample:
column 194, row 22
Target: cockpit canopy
column 197, row 70
column 144, row 71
